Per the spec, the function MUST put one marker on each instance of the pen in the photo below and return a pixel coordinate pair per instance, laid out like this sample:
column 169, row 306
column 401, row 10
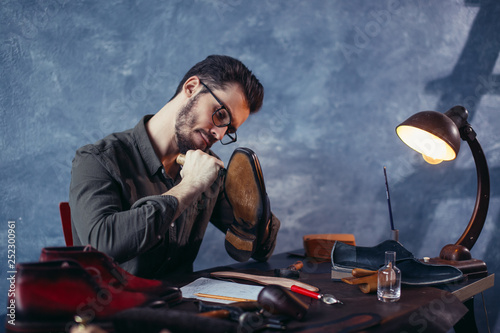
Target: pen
column 226, row 298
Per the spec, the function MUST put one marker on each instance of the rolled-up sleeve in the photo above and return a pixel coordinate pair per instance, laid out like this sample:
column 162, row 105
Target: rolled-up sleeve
column 106, row 215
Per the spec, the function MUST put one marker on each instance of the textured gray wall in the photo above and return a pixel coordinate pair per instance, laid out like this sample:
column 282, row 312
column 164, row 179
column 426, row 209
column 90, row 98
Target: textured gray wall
column 339, row 77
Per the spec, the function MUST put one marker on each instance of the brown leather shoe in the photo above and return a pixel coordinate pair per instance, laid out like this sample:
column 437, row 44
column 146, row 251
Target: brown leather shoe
column 49, row 294
column 110, row 274
column 245, row 190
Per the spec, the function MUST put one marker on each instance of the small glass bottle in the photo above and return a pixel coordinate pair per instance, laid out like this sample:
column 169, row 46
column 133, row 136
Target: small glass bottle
column 389, row 279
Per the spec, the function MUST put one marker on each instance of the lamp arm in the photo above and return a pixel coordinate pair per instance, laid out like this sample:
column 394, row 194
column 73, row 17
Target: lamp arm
column 471, row 233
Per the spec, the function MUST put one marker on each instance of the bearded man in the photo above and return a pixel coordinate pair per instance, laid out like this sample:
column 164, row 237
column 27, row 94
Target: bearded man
column 129, row 197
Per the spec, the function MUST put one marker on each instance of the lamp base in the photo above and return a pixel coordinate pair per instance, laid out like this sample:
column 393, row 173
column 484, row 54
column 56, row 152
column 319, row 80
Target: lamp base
column 471, row 267
column 459, row 256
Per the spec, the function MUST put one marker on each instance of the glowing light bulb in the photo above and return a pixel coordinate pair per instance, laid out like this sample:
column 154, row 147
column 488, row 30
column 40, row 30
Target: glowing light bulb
column 431, row 160
column 433, row 149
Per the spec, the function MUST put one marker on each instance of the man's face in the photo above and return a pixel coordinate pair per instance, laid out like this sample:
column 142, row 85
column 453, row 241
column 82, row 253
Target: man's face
column 194, row 127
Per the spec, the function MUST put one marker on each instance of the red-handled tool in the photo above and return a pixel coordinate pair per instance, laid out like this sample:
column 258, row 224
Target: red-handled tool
column 326, row 298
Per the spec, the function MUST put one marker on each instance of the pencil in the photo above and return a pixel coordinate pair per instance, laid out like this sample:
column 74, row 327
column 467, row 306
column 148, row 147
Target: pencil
column 226, row 298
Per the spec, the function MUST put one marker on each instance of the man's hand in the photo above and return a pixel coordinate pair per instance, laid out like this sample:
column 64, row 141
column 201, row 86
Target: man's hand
column 200, row 169
column 198, row 173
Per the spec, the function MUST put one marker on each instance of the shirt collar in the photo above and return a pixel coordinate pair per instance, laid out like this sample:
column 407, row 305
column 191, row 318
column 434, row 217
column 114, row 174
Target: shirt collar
column 146, row 150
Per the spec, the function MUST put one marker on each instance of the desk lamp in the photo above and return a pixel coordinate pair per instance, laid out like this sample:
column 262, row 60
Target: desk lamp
column 437, row 137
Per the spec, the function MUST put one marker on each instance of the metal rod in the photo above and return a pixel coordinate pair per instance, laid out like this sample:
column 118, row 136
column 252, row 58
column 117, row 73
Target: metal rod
column 388, row 199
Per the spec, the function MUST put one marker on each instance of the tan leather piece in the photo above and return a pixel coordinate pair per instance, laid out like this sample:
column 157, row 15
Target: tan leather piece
column 360, row 272
column 320, row 245
column 265, row 280
column 238, row 242
column 365, row 279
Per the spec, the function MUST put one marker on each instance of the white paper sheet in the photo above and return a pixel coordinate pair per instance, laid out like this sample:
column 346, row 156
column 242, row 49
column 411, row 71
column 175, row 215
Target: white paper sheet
column 220, row 288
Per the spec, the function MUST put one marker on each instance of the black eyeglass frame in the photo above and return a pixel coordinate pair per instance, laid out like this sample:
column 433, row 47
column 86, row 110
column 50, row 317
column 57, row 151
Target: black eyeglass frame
column 232, row 136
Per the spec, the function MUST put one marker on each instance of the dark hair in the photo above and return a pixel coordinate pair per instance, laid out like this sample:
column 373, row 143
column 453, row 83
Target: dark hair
column 217, row 71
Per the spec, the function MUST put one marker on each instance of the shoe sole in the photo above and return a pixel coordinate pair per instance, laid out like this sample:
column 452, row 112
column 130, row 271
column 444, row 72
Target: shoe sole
column 241, row 183
column 244, row 181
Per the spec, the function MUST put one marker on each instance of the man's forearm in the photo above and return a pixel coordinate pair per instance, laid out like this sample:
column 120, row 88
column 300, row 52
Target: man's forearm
column 185, row 193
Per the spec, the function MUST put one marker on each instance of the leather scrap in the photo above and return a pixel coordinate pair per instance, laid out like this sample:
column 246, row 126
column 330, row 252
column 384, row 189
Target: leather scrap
column 264, row 280
column 365, row 279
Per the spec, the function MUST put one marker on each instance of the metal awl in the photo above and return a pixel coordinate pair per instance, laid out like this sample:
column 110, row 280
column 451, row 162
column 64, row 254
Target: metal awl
column 325, row 298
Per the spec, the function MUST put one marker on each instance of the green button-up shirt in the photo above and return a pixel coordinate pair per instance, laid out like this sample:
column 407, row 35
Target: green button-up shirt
column 117, row 206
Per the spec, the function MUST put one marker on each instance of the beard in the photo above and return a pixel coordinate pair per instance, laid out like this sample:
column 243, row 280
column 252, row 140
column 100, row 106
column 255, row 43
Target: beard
column 185, row 122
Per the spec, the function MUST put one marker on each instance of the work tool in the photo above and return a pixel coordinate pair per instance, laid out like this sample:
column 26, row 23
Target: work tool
column 325, row 298
column 275, row 307
column 278, row 300
column 256, row 322
column 232, row 311
column 181, row 158
column 291, row 272
column 221, row 314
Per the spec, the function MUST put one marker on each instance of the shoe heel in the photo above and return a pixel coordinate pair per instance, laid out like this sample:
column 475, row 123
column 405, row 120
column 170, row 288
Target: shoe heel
column 241, row 249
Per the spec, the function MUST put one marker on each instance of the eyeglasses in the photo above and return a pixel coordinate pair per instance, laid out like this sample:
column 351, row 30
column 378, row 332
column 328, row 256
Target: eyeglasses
column 222, row 118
